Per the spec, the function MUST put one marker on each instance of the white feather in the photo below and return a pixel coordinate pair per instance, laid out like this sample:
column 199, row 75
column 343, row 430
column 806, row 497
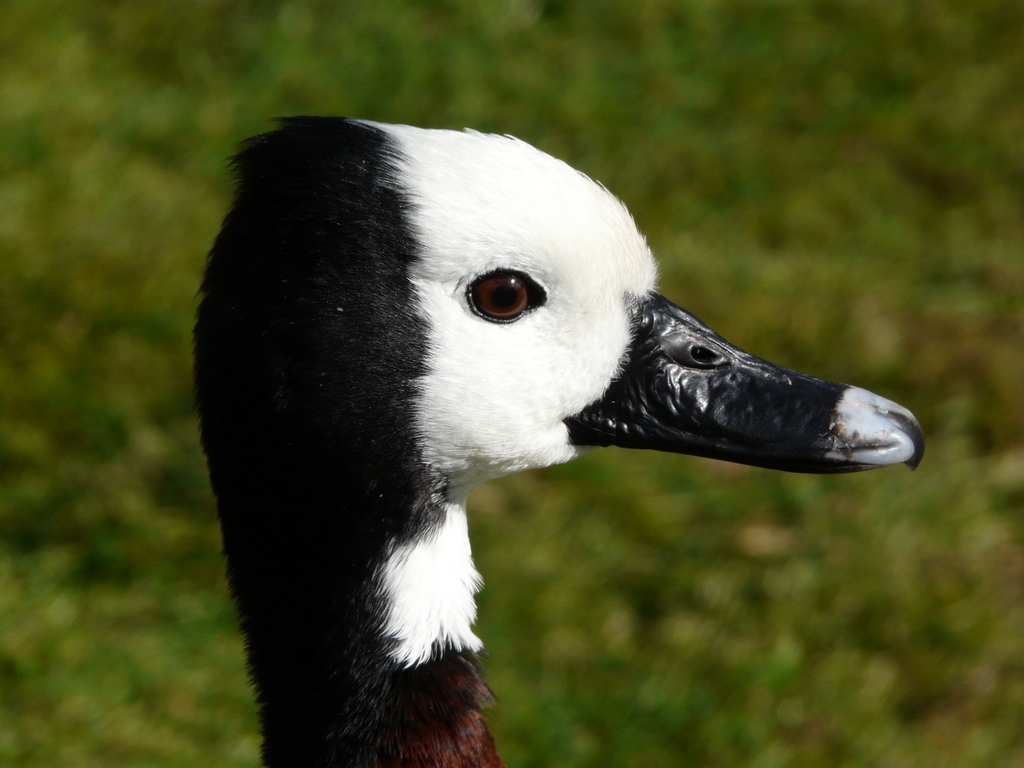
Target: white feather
column 495, row 395
column 431, row 583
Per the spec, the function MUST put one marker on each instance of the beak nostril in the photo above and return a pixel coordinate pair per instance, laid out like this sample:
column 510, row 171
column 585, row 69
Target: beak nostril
column 691, row 354
column 704, row 355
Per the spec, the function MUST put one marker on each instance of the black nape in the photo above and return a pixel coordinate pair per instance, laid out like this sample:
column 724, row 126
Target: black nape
column 306, row 354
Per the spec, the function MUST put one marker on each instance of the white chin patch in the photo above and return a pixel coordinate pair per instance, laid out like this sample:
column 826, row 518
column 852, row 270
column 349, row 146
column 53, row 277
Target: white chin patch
column 430, row 584
column 864, row 422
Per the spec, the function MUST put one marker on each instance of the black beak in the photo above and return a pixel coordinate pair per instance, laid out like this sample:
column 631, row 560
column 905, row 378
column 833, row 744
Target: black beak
column 685, row 389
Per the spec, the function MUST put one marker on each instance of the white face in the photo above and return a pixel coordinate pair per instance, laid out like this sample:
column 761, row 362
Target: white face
column 496, row 394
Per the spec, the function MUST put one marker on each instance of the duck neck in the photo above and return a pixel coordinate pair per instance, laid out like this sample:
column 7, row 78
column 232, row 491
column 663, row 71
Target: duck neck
column 358, row 634
column 310, row 354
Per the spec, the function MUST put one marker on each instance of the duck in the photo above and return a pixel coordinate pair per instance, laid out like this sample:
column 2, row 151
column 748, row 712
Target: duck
column 389, row 317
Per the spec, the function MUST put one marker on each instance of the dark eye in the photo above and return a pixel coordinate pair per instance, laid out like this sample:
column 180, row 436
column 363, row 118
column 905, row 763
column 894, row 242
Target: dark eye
column 505, row 296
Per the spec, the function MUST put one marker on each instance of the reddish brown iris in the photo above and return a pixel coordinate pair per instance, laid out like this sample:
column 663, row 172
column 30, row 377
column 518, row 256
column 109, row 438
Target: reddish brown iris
column 501, row 297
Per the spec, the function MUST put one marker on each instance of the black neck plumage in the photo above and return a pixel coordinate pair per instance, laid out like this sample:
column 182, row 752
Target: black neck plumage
column 330, row 693
column 305, row 382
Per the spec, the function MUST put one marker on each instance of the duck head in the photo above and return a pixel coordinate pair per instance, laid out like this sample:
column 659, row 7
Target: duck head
column 547, row 336
column 393, row 315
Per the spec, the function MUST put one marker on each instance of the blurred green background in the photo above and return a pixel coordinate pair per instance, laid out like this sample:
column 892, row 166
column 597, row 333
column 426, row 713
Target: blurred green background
column 837, row 185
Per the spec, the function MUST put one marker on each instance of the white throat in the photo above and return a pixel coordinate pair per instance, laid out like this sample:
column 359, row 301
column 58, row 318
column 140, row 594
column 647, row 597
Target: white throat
column 429, row 584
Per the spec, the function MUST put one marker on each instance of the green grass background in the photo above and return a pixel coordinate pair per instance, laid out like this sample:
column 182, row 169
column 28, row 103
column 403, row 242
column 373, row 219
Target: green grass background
column 834, row 184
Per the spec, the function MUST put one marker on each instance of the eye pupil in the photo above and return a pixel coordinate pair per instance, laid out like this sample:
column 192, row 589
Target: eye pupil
column 505, row 296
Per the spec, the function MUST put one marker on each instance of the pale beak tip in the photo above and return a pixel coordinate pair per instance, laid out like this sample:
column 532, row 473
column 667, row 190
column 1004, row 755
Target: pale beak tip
column 875, row 431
